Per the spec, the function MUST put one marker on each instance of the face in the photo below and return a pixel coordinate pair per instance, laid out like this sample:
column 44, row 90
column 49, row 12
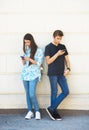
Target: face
column 57, row 39
column 27, row 42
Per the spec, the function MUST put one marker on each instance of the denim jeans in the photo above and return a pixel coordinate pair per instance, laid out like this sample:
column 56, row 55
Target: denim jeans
column 30, row 88
column 56, row 100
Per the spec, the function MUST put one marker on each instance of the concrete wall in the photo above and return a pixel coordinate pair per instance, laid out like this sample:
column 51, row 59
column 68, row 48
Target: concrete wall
column 41, row 18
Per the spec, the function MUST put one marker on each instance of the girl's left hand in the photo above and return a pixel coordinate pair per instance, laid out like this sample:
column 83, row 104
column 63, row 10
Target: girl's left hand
column 66, row 72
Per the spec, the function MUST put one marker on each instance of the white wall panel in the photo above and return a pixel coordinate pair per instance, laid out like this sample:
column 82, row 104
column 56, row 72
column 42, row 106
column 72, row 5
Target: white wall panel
column 78, row 84
column 14, row 63
column 11, row 5
column 79, row 63
column 11, row 43
column 47, row 23
column 46, row 6
column 4, row 43
column 42, row 6
column 12, row 101
column 42, row 39
column 2, row 63
column 77, row 42
column 3, row 23
column 11, row 84
column 54, row 6
column 15, row 43
column 74, row 5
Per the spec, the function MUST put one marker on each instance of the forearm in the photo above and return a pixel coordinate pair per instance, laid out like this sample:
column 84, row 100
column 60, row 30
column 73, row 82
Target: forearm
column 32, row 61
column 52, row 59
column 23, row 62
column 66, row 72
column 67, row 62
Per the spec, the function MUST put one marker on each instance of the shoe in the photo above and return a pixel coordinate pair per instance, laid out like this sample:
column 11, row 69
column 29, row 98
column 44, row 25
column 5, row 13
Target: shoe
column 37, row 115
column 29, row 115
column 51, row 113
column 57, row 116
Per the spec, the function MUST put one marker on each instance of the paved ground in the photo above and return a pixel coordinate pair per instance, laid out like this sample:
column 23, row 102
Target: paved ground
column 72, row 120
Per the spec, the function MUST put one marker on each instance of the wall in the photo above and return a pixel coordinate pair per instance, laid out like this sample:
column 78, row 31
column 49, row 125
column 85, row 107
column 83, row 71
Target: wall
column 41, row 18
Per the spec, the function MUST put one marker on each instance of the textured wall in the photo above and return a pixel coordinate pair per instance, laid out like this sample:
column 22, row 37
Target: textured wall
column 41, row 18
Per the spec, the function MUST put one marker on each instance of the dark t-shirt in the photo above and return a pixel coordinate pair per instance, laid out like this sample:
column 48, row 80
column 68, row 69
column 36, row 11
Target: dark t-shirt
column 57, row 67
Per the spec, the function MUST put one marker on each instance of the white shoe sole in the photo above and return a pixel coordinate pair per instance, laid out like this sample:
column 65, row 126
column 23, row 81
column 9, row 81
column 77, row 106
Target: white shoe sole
column 58, row 119
column 38, row 118
column 27, row 118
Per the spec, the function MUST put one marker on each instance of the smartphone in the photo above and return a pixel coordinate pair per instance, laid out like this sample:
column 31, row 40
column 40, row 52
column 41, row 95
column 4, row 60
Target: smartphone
column 63, row 49
column 22, row 57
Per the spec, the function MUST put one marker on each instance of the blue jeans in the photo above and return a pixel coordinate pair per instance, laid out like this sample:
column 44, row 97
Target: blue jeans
column 30, row 88
column 56, row 100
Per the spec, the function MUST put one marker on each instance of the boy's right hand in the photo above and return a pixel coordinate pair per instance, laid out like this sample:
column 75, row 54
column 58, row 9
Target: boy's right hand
column 60, row 52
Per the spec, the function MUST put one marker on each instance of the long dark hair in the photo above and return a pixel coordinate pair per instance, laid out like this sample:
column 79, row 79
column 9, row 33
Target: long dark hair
column 33, row 45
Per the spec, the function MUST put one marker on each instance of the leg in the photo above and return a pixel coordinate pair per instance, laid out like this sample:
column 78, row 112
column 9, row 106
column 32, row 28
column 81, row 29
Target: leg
column 52, row 110
column 32, row 91
column 26, row 86
column 65, row 91
column 54, row 90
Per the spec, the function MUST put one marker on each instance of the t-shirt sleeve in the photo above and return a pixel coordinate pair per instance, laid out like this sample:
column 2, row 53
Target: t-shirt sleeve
column 47, row 51
column 66, row 52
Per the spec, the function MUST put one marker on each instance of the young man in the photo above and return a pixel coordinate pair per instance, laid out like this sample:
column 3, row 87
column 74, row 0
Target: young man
column 57, row 57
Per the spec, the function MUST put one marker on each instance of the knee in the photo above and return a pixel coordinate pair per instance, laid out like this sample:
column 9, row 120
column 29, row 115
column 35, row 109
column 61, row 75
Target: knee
column 32, row 96
column 54, row 91
column 66, row 93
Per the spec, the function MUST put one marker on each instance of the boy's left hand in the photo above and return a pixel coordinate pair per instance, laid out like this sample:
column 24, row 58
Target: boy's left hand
column 66, row 72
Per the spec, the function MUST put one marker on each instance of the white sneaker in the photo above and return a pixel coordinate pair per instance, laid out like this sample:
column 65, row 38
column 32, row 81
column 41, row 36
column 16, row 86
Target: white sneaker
column 37, row 115
column 29, row 115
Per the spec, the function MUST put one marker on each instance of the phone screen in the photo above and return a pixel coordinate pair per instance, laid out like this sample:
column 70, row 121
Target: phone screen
column 64, row 49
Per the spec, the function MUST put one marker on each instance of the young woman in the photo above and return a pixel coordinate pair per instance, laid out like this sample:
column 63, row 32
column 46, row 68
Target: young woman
column 31, row 73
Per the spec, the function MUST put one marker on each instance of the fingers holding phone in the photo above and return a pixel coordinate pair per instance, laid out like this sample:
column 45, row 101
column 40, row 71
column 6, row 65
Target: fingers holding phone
column 23, row 59
column 61, row 52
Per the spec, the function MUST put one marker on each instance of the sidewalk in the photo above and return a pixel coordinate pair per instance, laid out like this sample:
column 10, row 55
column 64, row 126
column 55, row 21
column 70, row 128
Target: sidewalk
column 72, row 120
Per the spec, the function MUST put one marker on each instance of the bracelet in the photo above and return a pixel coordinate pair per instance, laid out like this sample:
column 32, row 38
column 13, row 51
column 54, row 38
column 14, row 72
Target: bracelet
column 68, row 69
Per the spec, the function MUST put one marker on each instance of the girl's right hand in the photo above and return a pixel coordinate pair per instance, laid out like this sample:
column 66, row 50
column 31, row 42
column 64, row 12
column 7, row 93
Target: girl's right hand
column 23, row 61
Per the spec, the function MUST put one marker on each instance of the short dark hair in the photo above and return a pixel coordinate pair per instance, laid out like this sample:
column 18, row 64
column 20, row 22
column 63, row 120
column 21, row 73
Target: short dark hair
column 58, row 33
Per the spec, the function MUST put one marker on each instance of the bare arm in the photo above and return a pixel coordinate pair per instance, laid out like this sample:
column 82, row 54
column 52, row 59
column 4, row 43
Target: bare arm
column 67, row 61
column 23, row 61
column 67, row 65
column 53, row 58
